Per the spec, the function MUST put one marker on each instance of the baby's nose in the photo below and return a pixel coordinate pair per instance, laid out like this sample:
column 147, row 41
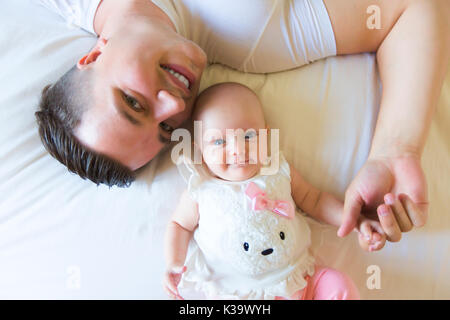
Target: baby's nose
column 267, row 252
column 234, row 138
column 236, row 149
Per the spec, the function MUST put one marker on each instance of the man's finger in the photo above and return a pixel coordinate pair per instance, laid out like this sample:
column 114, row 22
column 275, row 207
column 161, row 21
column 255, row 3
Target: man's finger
column 352, row 209
column 417, row 215
column 378, row 228
column 388, row 223
column 400, row 214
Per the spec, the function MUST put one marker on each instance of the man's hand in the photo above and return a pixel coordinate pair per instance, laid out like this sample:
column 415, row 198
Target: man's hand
column 393, row 190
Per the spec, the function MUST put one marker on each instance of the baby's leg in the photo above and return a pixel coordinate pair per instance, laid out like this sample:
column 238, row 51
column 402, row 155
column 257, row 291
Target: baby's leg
column 330, row 284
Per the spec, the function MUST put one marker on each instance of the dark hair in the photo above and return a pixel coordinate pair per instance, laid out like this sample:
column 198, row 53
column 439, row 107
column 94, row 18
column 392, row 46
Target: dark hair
column 60, row 110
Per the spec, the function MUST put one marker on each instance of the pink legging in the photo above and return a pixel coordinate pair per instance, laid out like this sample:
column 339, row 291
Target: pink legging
column 327, row 284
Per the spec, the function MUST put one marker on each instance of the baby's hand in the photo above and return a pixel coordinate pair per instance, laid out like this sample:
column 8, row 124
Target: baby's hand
column 172, row 278
column 370, row 234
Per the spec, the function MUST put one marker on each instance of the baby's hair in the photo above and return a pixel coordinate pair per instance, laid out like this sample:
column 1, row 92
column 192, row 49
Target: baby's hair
column 229, row 99
column 201, row 100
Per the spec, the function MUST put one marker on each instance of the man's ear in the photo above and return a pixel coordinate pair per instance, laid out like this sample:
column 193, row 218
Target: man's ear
column 92, row 56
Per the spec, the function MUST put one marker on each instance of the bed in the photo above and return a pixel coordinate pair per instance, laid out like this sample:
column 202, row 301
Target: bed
column 65, row 238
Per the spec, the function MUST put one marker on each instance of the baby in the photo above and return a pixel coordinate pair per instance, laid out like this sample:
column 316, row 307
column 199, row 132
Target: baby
column 249, row 241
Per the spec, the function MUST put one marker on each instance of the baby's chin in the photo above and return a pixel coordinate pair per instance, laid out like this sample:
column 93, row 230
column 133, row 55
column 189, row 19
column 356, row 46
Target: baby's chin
column 237, row 172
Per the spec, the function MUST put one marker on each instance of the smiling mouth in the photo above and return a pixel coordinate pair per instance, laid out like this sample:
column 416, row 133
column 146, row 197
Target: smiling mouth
column 180, row 75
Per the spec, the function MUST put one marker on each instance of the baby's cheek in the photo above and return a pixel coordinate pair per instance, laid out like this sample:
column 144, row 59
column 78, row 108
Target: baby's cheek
column 211, row 161
column 263, row 149
column 214, row 156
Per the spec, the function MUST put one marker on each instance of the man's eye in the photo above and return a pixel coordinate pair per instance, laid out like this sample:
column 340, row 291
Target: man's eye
column 166, row 127
column 133, row 103
column 250, row 135
column 219, row 142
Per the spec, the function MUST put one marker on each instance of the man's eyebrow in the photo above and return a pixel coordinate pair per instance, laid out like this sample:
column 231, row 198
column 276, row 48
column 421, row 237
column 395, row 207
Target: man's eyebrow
column 125, row 114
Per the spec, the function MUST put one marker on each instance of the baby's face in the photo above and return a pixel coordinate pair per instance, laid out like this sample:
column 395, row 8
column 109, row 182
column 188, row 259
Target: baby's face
column 231, row 120
column 232, row 154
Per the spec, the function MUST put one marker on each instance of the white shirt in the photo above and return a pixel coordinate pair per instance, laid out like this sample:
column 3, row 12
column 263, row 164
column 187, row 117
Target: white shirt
column 80, row 13
column 258, row 36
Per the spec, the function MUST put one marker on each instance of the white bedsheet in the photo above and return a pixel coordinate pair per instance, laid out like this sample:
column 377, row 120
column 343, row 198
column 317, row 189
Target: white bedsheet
column 64, row 238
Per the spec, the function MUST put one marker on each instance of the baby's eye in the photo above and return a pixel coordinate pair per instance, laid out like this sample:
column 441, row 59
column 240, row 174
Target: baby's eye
column 246, row 246
column 250, row 135
column 219, row 142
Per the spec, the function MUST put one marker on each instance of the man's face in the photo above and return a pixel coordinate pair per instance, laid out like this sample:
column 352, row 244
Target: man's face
column 145, row 81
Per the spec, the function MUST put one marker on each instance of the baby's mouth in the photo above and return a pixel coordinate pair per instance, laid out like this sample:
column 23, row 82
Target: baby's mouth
column 240, row 164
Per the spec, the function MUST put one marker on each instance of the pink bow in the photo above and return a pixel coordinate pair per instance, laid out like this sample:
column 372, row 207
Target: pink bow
column 260, row 202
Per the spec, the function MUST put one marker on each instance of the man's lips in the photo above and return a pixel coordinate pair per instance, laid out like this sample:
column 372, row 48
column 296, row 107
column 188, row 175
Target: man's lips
column 179, row 84
column 184, row 72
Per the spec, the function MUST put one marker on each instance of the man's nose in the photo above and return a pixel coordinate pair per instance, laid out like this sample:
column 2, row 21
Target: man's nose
column 167, row 106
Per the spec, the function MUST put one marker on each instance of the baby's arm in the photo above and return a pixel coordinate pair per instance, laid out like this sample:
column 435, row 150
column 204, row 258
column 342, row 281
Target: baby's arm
column 178, row 234
column 325, row 207
column 321, row 205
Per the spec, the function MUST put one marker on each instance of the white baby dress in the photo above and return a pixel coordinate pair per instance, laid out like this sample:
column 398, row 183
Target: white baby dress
column 238, row 252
